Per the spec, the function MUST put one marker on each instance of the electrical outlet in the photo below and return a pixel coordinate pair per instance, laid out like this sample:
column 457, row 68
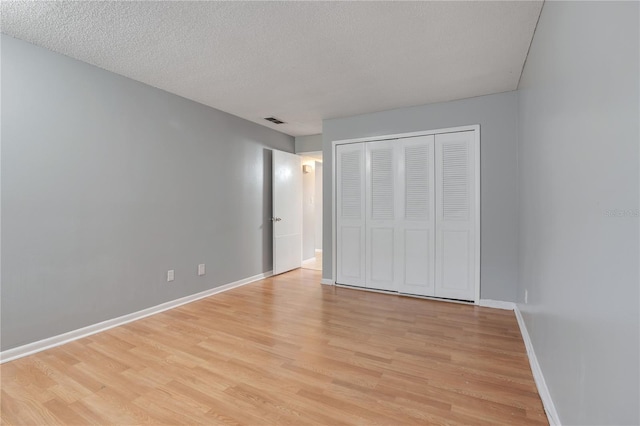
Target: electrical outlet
column 526, row 296
column 170, row 275
column 201, row 269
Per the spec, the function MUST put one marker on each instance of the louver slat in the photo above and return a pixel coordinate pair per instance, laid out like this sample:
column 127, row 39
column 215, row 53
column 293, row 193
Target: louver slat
column 455, row 181
column 417, row 177
column 382, row 194
column 351, row 179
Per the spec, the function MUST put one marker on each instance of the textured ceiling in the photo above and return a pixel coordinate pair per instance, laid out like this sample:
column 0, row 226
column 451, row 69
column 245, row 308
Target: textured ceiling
column 298, row 61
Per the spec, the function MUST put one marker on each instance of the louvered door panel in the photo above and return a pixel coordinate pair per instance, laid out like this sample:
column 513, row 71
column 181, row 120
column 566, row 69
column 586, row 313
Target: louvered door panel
column 455, row 181
column 418, row 178
column 350, row 192
column 381, row 193
column 455, row 213
column 382, row 182
column 416, row 230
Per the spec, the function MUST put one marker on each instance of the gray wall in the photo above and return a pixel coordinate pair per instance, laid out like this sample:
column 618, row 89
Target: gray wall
column 108, row 183
column 311, row 143
column 497, row 116
column 578, row 151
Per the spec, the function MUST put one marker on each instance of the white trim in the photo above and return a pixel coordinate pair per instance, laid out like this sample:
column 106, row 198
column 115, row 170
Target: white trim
column 318, row 250
column 51, row 342
column 478, row 206
column 409, row 135
column 541, row 384
column 310, row 153
column 334, row 206
column 327, row 281
column 474, row 127
column 396, row 293
column 538, row 377
column 309, row 260
column 497, row 304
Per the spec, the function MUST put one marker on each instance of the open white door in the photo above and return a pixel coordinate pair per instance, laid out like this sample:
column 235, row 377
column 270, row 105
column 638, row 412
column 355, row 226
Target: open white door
column 287, row 212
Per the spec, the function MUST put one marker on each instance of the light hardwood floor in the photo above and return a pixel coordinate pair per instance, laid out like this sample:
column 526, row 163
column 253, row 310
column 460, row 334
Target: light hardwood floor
column 285, row 350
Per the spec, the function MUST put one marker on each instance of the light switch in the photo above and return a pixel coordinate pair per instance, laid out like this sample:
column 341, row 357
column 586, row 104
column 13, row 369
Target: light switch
column 201, row 269
column 170, row 275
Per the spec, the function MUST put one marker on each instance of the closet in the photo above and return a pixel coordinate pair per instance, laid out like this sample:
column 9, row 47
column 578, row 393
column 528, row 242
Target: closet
column 407, row 214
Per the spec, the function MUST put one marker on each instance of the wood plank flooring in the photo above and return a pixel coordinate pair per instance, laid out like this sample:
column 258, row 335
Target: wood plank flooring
column 285, row 351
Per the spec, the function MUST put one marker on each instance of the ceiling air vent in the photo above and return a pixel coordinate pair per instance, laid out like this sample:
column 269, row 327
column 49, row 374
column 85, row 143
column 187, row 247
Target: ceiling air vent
column 274, row 120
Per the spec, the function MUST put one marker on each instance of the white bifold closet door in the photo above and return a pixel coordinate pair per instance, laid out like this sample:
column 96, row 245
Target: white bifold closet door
column 382, row 238
column 406, row 215
column 455, row 215
column 399, row 227
column 350, row 194
column 417, row 227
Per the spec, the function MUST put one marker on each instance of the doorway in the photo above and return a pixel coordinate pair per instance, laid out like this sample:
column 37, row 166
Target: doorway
column 312, row 210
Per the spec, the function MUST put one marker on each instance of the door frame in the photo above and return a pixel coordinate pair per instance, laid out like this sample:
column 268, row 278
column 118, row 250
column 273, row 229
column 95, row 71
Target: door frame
column 475, row 128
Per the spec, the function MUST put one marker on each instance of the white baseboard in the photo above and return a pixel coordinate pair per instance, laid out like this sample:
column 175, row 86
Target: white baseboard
column 61, row 339
column 327, row 281
column 543, row 390
column 497, row 304
column 541, row 384
column 311, row 259
column 318, row 250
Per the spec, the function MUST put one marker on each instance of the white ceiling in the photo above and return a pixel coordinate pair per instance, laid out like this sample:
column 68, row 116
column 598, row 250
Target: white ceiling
column 298, row 61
